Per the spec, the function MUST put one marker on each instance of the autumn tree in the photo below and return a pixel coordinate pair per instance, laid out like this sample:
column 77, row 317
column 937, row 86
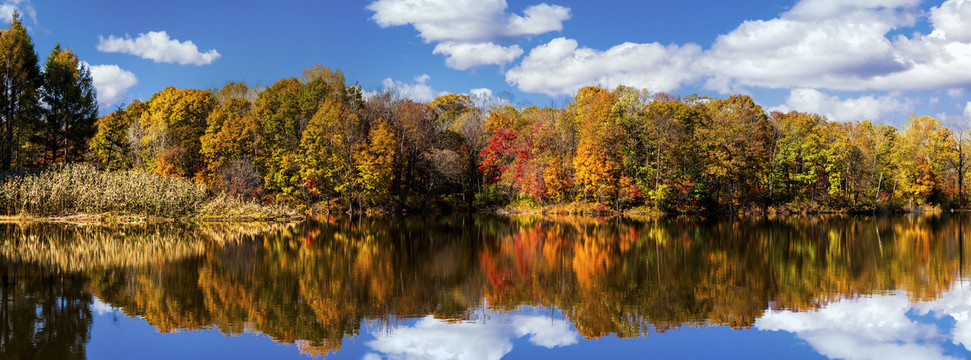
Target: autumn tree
column 597, row 162
column 110, row 144
column 375, row 164
column 278, row 115
column 922, row 155
column 735, row 146
column 959, row 157
column 175, row 119
column 231, row 135
column 416, row 127
column 670, row 171
column 329, row 145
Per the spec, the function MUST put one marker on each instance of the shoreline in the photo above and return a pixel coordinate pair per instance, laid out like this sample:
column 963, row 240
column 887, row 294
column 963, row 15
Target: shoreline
column 128, row 219
column 124, row 219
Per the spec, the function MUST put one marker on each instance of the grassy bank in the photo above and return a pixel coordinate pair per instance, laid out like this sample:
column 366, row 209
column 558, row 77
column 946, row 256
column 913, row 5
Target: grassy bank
column 73, row 190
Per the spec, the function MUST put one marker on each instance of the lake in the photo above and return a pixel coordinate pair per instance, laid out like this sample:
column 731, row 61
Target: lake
column 490, row 287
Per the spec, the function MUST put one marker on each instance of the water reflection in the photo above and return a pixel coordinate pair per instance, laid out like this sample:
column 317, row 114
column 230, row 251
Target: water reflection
column 845, row 286
column 431, row 338
column 42, row 316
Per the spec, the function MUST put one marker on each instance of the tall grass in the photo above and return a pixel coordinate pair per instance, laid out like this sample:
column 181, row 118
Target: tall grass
column 77, row 189
column 227, row 207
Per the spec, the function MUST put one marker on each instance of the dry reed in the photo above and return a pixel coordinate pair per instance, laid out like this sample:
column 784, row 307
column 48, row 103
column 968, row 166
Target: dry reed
column 82, row 189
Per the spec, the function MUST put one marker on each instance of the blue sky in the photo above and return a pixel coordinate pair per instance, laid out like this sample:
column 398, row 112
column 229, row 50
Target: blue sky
column 849, row 60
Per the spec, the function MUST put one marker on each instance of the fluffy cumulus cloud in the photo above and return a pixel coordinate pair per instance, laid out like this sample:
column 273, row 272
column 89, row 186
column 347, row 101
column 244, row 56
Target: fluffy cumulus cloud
column 874, row 327
column 872, row 47
column 829, row 45
column 852, row 109
column 467, row 20
column 159, row 47
column 431, row 338
column 466, row 30
column 845, row 45
column 819, row 43
column 955, row 303
column 951, row 21
column 464, row 56
column 112, row 83
column 561, row 67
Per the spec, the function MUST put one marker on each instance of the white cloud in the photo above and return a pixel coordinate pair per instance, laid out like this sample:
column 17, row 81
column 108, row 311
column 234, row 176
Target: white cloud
column 837, row 109
column 543, row 332
column 951, row 20
column 8, row 7
column 807, row 50
column 561, row 67
column 955, row 93
column 100, row 307
column 967, row 110
column 467, row 20
column 157, row 46
column 417, row 91
column 112, row 83
column 955, row 303
column 463, row 56
column 466, row 29
column 874, row 327
column 844, row 45
column 431, row 338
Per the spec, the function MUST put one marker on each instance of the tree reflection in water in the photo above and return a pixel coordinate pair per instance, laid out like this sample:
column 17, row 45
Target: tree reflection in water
column 316, row 283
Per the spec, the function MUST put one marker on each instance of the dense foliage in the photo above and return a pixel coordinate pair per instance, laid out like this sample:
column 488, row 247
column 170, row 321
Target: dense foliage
column 317, row 141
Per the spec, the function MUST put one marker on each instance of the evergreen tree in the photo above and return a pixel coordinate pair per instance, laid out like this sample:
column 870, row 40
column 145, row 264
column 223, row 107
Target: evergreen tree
column 19, row 83
column 71, row 110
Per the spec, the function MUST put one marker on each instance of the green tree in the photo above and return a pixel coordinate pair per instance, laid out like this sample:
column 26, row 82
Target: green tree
column 71, row 107
column 110, row 144
column 19, row 83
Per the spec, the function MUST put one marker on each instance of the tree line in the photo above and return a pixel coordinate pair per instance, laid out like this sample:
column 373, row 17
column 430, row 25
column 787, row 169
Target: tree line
column 315, row 140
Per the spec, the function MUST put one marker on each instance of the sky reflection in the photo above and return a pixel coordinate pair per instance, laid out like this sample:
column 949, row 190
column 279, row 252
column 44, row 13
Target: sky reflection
column 492, row 338
column 881, row 326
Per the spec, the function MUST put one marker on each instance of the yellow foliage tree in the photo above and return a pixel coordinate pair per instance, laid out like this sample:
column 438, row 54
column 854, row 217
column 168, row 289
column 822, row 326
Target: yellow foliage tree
column 375, row 164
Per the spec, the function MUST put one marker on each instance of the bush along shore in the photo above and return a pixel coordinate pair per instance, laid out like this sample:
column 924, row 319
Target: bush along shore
column 82, row 192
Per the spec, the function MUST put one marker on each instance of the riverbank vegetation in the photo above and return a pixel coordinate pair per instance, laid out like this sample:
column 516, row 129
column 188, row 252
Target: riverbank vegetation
column 65, row 190
column 317, row 143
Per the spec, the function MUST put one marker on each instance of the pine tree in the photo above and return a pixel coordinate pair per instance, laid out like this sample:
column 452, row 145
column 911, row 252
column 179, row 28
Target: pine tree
column 19, row 83
column 71, row 110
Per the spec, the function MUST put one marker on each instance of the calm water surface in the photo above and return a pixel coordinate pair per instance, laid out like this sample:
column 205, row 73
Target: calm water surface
column 487, row 287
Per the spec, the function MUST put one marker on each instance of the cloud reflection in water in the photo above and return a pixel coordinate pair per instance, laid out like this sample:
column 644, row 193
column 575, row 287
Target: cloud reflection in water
column 878, row 327
column 431, row 338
